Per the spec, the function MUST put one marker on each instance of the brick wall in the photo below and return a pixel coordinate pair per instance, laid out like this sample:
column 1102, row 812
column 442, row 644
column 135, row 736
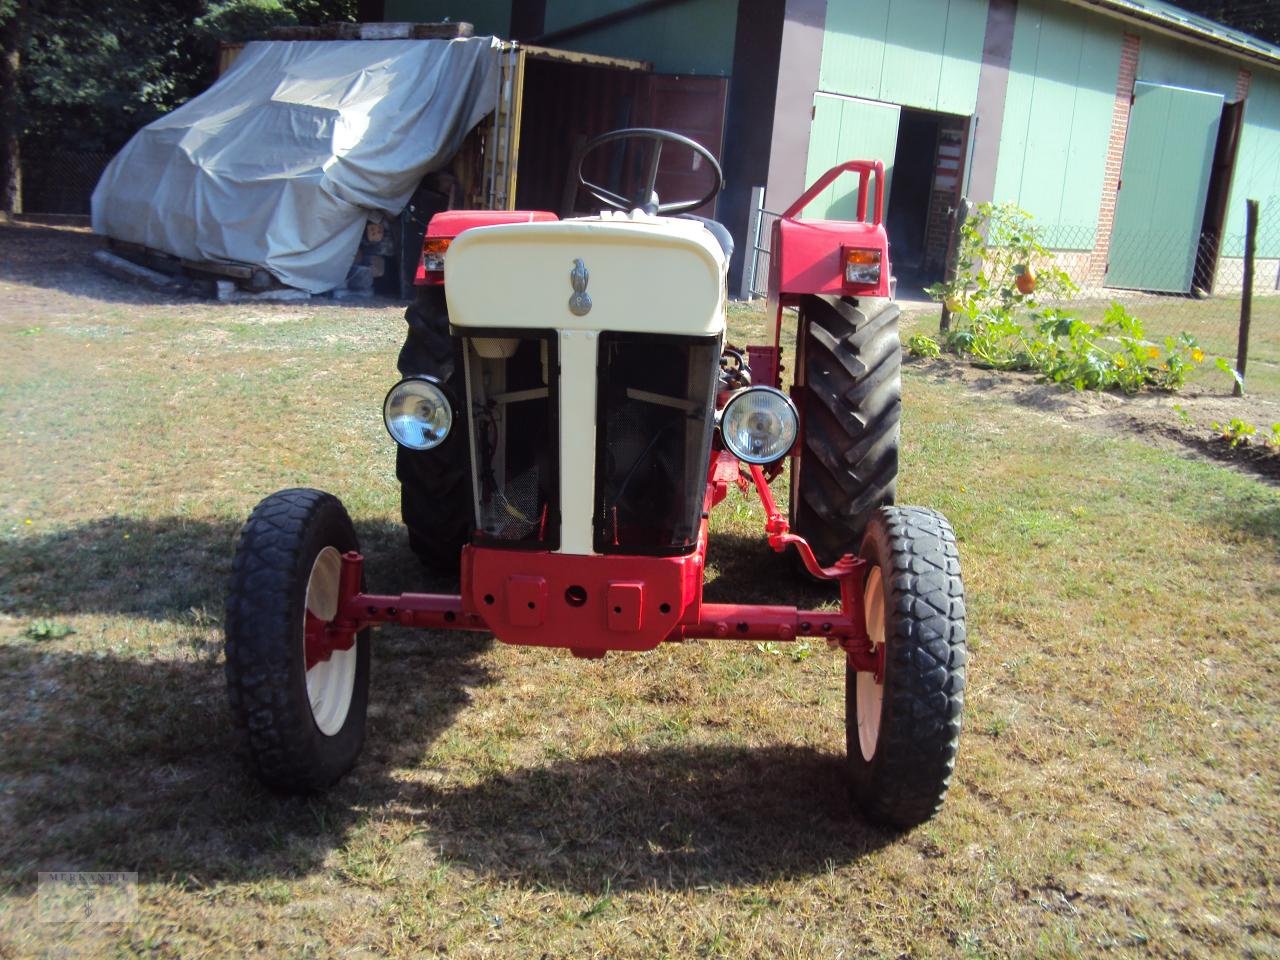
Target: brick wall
column 945, row 195
column 1115, row 159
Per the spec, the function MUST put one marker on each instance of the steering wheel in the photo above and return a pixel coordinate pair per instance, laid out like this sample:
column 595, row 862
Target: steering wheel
column 647, row 199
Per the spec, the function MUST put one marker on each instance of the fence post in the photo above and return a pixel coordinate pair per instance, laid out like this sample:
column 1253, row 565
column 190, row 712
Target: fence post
column 959, row 216
column 752, row 253
column 1246, row 295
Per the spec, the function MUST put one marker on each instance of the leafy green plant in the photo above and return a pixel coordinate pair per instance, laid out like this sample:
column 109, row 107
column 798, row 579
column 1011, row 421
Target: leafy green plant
column 1236, row 431
column 800, row 651
column 998, row 244
column 1112, row 354
column 1274, row 439
column 1223, row 364
column 924, row 346
column 1004, row 272
column 47, row 630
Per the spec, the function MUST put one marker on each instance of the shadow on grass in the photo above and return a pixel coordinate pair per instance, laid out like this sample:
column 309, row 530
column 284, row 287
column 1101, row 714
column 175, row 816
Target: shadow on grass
column 113, row 763
column 1257, row 518
column 742, row 569
column 117, row 762
column 108, row 759
column 673, row 818
column 164, row 568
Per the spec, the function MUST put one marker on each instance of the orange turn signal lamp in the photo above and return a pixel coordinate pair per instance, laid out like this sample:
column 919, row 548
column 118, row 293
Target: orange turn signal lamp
column 433, row 250
column 861, row 266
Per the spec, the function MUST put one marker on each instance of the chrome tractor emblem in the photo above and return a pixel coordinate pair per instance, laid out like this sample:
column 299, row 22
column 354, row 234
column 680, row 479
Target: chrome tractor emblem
column 580, row 302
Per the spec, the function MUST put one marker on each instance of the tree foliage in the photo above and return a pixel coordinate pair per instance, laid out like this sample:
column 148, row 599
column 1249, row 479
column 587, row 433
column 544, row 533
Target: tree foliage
column 94, row 71
column 1258, row 17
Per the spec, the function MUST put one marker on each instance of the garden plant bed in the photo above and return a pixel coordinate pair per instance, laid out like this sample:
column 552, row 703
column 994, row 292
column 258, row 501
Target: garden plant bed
column 1116, row 793
column 1177, row 420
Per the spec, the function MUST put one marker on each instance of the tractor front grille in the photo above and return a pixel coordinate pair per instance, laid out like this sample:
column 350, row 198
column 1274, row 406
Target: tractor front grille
column 656, row 401
column 512, row 392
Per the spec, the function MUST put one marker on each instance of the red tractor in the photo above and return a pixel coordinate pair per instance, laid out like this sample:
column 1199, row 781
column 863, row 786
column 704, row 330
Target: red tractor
column 569, row 416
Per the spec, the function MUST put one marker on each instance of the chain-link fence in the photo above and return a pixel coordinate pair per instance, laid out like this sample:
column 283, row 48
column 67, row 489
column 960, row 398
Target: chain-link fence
column 61, row 181
column 1175, row 283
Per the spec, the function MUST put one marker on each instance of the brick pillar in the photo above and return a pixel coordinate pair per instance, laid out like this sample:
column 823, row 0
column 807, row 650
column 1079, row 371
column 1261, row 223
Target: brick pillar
column 1115, row 160
column 944, row 195
column 1242, row 84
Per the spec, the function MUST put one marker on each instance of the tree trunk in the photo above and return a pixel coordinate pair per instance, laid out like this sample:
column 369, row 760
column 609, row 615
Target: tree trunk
column 10, row 134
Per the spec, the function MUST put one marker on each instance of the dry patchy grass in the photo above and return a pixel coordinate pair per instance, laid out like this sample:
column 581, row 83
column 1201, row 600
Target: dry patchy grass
column 1116, row 790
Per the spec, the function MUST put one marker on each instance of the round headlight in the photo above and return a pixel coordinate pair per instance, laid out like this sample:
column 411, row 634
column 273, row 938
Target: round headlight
column 417, row 413
column 759, row 424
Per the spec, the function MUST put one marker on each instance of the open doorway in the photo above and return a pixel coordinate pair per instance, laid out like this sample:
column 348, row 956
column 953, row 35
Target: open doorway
column 908, row 218
column 1215, row 205
column 927, row 171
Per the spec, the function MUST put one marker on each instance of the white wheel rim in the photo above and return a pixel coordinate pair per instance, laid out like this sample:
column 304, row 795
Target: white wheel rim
column 330, row 683
column 869, row 694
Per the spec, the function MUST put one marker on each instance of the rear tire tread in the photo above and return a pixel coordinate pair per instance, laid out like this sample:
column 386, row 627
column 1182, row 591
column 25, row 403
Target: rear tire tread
column 852, row 363
column 435, row 485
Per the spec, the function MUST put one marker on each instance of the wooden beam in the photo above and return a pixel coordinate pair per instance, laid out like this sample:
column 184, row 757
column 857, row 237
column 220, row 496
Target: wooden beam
column 587, row 59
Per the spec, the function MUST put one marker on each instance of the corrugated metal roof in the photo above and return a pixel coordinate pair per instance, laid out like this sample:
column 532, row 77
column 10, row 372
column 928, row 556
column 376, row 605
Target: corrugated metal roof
column 1167, row 17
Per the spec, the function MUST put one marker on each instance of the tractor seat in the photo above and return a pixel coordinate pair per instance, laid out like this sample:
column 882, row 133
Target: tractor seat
column 717, row 230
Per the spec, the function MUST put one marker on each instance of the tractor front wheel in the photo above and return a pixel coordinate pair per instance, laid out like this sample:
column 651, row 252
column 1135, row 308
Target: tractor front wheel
column 301, row 709
column 902, row 727
column 849, row 371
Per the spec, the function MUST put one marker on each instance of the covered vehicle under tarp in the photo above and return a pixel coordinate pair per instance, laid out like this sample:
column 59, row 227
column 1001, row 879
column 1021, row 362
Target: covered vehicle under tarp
column 280, row 163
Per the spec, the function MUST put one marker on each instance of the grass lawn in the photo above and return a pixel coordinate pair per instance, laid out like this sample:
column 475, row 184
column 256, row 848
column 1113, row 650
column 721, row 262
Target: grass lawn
column 1116, row 792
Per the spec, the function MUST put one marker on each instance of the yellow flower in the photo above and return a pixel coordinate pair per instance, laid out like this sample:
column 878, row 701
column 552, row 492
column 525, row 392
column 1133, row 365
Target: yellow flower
column 1120, row 362
column 1153, row 352
column 1197, row 355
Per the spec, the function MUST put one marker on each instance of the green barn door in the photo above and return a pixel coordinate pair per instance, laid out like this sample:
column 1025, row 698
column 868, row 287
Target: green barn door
column 846, row 128
column 1168, row 154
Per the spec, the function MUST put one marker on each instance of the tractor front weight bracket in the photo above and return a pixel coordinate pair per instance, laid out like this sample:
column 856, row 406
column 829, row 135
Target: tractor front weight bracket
column 845, row 628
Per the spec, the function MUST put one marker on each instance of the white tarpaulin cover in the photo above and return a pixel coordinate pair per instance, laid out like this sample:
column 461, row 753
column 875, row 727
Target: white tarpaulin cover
column 280, row 162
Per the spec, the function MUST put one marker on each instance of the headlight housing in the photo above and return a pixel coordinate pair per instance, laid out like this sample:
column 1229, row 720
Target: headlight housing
column 759, row 424
column 418, row 413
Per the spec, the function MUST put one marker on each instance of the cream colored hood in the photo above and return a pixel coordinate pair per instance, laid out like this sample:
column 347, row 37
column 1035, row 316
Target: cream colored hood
column 637, row 274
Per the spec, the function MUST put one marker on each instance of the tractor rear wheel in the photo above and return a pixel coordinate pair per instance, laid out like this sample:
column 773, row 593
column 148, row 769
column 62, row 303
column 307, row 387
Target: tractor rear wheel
column 435, row 485
column 902, row 728
column 302, row 714
column 849, row 370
